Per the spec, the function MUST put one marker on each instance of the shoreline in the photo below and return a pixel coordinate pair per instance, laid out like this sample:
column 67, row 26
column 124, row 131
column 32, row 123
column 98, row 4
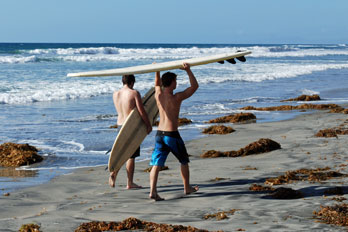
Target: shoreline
column 66, row 201
column 43, row 175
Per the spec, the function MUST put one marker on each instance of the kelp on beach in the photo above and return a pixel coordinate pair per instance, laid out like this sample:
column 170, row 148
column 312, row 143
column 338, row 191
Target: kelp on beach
column 235, row 118
column 260, row 146
column 134, row 224
column 336, row 215
column 286, row 193
column 311, row 175
column 30, row 228
column 15, row 155
column 299, row 107
column 332, row 132
column 221, row 215
column 277, row 193
column 220, row 129
column 304, row 97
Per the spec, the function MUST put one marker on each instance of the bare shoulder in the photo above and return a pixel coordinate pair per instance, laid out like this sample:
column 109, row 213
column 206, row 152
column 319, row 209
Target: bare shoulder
column 179, row 96
column 135, row 92
column 116, row 93
column 158, row 90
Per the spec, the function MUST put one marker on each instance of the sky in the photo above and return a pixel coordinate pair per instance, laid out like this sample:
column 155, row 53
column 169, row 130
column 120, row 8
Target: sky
column 175, row 21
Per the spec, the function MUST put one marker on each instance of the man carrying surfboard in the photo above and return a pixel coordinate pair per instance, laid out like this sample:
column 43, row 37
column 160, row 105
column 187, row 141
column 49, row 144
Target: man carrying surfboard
column 125, row 100
column 168, row 138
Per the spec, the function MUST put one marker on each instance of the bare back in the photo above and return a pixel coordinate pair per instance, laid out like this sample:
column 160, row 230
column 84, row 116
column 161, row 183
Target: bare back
column 169, row 103
column 169, row 109
column 125, row 102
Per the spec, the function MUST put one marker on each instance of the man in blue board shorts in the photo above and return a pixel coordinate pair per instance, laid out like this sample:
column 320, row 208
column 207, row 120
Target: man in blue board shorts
column 168, row 138
column 125, row 100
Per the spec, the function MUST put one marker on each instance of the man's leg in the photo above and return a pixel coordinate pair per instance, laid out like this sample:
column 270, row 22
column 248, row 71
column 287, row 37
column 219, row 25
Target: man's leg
column 185, row 174
column 112, row 179
column 130, row 174
column 153, row 183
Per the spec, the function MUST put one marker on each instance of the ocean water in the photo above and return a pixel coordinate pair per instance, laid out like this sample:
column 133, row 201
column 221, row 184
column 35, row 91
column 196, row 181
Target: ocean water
column 69, row 119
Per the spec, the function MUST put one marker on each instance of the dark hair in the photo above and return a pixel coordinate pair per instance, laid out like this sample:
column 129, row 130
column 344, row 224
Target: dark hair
column 167, row 78
column 128, row 79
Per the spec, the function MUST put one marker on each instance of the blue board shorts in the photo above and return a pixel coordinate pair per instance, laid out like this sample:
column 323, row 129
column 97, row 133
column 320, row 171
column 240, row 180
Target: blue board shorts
column 168, row 141
column 137, row 152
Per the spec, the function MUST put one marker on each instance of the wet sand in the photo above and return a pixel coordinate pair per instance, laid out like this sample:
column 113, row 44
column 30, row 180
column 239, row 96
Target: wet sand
column 69, row 200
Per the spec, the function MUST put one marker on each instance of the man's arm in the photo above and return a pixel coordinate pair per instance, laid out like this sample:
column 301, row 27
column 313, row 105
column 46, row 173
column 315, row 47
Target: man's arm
column 158, row 82
column 142, row 112
column 193, row 84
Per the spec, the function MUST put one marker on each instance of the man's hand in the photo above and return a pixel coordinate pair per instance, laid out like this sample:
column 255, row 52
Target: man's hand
column 186, row 66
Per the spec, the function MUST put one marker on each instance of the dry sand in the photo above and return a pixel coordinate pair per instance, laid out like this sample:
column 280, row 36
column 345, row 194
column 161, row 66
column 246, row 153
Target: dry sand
column 67, row 201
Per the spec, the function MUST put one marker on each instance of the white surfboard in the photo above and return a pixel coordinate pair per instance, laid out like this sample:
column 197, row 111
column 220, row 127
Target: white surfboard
column 161, row 66
column 132, row 133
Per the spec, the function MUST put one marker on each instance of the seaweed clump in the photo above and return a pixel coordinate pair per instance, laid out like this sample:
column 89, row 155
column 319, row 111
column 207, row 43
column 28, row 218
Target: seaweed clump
column 336, row 215
column 235, row 118
column 314, row 97
column 134, row 224
column 260, row 188
column 15, row 155
column 278, row 193
column 339, row 110
column 289, row 107
column 332, row 132
column 260, row 146
column 221, row 129
column 286, row 193
column 312, row 175
column 29, row 228
column 220, row 215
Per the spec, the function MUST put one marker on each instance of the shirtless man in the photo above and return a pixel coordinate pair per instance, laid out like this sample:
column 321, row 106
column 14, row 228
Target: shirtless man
column 125, row 100
column 168, row 138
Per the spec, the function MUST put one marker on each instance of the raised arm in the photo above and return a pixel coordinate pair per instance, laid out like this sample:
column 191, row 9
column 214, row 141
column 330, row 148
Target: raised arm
column 158, row 81
column 142, row 112
column 193, row 84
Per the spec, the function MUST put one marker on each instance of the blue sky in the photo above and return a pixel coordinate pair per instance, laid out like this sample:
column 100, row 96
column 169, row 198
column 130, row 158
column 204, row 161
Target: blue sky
column 176, row 21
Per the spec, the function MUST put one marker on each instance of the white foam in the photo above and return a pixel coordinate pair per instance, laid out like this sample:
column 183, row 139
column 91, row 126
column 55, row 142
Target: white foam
column 90, row 54
column 17, row 59
column 22, row 92
column 309, row 92
column 74, row 51
column 177, row 53
column 262, row 72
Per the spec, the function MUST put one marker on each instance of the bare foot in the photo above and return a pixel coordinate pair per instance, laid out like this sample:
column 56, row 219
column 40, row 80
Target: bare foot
column 112, row 179
column 156, row 198
column 134, row 186
column 193, row 190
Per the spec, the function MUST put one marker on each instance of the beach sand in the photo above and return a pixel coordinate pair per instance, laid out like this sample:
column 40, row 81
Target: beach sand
column 83, row 196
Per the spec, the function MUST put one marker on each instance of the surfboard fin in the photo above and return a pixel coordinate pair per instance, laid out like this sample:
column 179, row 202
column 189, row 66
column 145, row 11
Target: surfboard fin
column 231, row 61
column 241, row 58
column 221, row 62
column 107, row 152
